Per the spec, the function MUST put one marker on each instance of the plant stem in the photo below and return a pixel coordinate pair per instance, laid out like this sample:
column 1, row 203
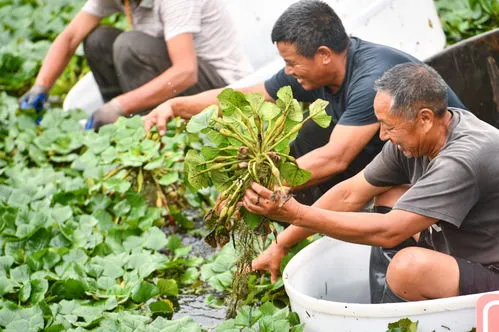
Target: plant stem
column 235, row 133
column 217, row 166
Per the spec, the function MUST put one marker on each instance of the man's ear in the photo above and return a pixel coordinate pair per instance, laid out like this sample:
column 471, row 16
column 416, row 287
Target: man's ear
column 426, row 116
column 325, row 54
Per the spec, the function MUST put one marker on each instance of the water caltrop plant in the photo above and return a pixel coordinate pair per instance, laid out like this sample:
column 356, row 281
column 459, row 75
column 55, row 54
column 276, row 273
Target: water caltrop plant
column 249, row 143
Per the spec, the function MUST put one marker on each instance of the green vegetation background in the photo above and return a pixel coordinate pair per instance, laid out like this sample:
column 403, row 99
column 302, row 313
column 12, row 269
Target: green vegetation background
column 72, row 258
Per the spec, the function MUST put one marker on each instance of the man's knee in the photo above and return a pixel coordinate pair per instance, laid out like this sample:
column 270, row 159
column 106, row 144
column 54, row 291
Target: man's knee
column 125, row 47
column 137, row 50
column 100, row 40
column 407, row 267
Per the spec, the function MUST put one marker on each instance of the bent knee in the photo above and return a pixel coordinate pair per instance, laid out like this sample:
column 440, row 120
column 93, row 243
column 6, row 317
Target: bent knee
column 132, row 49
column 127, row 40
column 408, row 265
column 100, row 39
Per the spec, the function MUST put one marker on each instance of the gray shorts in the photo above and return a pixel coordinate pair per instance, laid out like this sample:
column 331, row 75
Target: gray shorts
column 473, row 277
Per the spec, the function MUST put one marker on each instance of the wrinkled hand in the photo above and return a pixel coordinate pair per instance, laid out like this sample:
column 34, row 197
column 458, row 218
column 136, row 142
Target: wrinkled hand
column 270, row 261
column 159, row 117
column 108, row 113
column 34, row 98
column 276, row 205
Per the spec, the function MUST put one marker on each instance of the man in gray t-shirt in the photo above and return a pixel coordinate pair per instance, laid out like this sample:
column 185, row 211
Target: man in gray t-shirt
column 459, row 187
column 440, row 168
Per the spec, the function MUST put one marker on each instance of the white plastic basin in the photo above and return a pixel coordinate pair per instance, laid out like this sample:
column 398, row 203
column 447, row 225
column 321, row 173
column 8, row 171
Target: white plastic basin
column 328, row 286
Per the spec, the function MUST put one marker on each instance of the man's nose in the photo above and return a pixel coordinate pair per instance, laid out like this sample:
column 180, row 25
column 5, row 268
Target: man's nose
column 288, row 70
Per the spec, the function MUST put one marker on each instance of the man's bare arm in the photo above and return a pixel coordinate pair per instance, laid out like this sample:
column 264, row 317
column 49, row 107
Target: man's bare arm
column 328, row 216
column 64, row 47
column 180, row 76
column 348, row 196
column 386, row 230
column 345, row 143
column 188, row 106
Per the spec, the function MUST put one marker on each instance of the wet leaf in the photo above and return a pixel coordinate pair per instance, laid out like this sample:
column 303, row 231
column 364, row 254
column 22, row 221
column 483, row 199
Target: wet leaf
column 269, row 111
column 294, row 175
column 201, row 120
column 68, row 289
column 167, row 287
column 318, row 113
column 162, row 307
column 230, row 100
column 169, row 178
column 403, row 325
column 144, row 291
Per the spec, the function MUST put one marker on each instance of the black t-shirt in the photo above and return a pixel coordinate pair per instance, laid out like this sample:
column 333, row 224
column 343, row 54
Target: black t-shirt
column 352, row 105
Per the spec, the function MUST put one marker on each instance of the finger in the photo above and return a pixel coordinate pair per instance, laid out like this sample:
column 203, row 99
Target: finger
column 163, row 118
column 252, row 197
column 250, row 206
column 274, row 275
column 250, row 193
column 256, row 265
column 253, row 208
column 261, row 190
column 149, row 121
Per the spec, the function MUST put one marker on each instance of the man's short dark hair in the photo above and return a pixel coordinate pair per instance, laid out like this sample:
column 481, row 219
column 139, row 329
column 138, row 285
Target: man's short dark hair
column 310, row 24
column 413, row 86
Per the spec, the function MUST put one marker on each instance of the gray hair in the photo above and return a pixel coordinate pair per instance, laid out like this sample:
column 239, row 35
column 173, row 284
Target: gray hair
column 413, row 86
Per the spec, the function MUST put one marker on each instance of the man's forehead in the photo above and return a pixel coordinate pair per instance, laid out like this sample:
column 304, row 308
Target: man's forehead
column 382, row 104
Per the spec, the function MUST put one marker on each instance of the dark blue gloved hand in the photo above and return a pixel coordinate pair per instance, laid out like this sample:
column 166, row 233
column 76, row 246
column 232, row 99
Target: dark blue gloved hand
column 34, row 98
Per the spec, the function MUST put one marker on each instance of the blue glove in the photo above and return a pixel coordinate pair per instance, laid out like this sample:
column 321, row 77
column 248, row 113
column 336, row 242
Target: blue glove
column 34, row 98
column 90, row 123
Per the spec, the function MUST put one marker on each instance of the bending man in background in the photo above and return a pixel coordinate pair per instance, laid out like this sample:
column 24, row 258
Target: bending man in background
column 176, row 47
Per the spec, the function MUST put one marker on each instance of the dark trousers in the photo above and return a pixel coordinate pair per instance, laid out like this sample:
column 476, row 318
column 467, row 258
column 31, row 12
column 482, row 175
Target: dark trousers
column 123, row 61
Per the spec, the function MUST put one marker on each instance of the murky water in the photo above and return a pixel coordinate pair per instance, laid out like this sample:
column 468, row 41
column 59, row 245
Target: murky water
column 193, row 305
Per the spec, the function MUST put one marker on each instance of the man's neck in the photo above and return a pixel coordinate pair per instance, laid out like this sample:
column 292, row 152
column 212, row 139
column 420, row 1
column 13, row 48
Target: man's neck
column 442, row 134
column 339, row 71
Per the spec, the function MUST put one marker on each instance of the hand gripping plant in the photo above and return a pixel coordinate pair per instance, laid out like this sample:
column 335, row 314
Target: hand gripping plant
column 250, row 143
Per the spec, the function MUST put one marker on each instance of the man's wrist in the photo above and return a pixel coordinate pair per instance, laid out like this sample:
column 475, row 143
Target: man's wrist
column 296, row 213
column 40, row 89
column 171, row 103
column 42, row 84
column 282, row 246
column 116, row 105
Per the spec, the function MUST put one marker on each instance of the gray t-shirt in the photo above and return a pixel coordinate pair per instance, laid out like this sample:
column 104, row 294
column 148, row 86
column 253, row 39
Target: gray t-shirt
column 460, row 187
